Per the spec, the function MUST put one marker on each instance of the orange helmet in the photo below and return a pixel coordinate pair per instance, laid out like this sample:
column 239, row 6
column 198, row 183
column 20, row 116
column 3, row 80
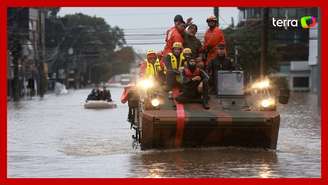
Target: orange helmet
column 211, row 18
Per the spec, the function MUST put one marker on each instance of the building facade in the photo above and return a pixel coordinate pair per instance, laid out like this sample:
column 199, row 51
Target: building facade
column 298, row 46
column 25, row 50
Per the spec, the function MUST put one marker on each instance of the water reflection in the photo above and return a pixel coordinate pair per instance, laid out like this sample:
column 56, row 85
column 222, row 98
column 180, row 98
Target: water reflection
column 206, row 162
column 265, row 171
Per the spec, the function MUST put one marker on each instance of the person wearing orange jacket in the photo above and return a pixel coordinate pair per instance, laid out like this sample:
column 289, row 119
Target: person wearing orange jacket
column 130, row 95
column 212, row 38
column 178, row 18
column 175, row 33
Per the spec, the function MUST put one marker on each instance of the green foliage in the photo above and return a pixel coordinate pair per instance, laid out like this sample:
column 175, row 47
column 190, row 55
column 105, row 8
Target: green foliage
column 248, row 41
column 94, row 43
column 52, row 12
column 86, row 32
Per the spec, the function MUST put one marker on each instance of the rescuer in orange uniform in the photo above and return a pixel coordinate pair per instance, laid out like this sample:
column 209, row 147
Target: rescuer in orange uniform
column 213, row 37
column 177, row 19
column 175, row 33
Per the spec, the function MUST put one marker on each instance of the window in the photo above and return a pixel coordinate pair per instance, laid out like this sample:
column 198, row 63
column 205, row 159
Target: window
column 32, row 24
column 301, row 82
column 284, row 68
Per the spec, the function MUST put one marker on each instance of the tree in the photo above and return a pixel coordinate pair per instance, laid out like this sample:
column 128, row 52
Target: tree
column 123, row 57
column 247, row 40
column 94, row 42
column 52, row 12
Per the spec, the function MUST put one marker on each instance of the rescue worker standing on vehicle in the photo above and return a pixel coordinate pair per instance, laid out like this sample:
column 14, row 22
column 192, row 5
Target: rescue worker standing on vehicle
column 213, row 37
column 194, row 85
column 174, row 34
column 153, row 68
column 220, row 62
column 174, row 62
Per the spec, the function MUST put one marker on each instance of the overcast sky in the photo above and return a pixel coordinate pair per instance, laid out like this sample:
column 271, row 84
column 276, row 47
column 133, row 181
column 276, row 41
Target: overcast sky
column 152, row 21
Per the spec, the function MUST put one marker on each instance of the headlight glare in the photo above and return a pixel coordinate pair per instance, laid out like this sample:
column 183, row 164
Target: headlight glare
column 146, row 84
column 264, row 84
column 266, row 103
column 155, row 102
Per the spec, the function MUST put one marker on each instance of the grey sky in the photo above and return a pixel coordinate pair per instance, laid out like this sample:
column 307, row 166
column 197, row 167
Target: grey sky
column 151, row 20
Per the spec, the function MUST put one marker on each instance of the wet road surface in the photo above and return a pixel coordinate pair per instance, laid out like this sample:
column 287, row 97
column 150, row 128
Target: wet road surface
column 57, row 137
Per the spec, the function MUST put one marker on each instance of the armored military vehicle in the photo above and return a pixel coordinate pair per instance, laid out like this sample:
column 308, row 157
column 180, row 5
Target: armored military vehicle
column 240, row 115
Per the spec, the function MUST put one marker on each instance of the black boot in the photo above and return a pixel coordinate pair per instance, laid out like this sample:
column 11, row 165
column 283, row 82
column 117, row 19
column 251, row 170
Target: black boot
column 130, row 115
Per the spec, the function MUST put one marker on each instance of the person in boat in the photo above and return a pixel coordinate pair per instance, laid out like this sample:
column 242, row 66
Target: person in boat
column 106, row 95
column 220, row 62
column 94, row 94
column 194, row 85
column 153, row 67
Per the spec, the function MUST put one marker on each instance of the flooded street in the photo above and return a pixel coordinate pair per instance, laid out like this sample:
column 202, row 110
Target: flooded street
column 57, row 137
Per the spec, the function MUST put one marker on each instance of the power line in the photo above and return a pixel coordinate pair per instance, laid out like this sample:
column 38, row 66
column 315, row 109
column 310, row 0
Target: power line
column 145, row 43
column 165, row 28
column 145, row 34
column 157, row 12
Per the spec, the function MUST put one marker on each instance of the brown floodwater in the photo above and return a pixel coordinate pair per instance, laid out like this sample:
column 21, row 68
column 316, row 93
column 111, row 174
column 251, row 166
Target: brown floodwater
column 57, row 137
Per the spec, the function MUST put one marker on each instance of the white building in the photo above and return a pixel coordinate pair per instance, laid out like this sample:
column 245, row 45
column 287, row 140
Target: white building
column 313, row 61
column 305, row 75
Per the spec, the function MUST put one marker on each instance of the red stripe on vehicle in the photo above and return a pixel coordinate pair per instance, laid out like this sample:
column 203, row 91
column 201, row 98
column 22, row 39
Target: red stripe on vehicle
column 180, row 120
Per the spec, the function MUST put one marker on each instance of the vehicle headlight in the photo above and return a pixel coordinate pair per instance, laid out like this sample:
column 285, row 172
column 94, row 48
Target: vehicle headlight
column 263, row 84
column 146, row 84
column 155, row 102
column 267, row 103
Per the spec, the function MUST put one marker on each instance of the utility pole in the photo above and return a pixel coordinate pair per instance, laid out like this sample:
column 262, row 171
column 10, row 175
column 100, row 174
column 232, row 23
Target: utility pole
column 41, row 52
column 264, row 40
column 216, row 13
